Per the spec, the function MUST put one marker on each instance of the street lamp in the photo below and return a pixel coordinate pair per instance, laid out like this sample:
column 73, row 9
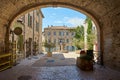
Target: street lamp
column 60, row 44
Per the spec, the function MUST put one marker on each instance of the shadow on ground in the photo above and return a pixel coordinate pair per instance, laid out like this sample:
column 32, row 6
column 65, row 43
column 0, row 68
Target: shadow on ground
column 55, row 60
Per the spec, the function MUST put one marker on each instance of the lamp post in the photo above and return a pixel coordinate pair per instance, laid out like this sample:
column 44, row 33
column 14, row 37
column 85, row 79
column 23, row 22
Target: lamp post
column 60, row 46
column 60, row 42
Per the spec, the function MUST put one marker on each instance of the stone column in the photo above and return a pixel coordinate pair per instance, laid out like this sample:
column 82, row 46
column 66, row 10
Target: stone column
column 7, row 38
column 2, row 41
column 85, row 36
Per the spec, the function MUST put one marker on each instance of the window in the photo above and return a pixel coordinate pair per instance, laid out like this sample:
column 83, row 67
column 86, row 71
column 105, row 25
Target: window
column 72, row 34
column 49, row 41
column 62, row 33
column 49, row 33
column 67, row 40
column 60, row 40
column 54, row 33
column 54, row 49
column 29, row 20
column 54, row 40
column 67, row 47
column 37, row 26
column 66, row 33
column 59, row 33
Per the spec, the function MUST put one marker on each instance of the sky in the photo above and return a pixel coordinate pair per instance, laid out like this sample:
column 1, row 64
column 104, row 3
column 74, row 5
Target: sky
column 62, row 16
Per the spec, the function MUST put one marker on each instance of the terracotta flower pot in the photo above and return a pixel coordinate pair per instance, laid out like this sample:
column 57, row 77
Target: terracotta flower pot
column 82, row 53
column 49, row 54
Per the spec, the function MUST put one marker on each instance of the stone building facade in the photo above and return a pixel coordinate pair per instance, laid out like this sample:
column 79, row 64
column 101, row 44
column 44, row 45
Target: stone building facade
column 61, row 36
column 33, row 29
column 31, row 24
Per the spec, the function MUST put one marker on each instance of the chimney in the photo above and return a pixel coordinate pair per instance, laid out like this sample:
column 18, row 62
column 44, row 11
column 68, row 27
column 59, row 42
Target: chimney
column 51, row 25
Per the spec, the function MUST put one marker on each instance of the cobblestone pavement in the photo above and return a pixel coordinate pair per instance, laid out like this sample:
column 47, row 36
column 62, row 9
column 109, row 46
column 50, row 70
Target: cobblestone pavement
column 57, row 59
column 25, row 71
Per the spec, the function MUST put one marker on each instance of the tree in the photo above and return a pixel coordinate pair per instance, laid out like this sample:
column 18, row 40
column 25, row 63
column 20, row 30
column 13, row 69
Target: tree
column 79, row 37
column 90, row 33
column 49, row 46
column 89, row 22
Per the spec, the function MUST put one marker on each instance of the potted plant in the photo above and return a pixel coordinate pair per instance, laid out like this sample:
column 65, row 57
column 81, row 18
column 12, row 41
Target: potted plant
column 49, row 47
column 85, row 62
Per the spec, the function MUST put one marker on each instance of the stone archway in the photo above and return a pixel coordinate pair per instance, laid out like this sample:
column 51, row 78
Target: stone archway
column 105, row 14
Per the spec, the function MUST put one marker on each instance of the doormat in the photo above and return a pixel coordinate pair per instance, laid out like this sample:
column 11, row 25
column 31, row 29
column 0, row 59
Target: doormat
column 50, row 60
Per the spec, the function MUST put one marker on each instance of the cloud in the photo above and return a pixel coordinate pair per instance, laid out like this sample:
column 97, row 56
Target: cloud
column 73, row 22
column 52, row 15
column 76, row 21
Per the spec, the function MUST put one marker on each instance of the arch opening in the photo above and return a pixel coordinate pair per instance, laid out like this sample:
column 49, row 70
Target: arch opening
column 22, row 12
column 65, row 5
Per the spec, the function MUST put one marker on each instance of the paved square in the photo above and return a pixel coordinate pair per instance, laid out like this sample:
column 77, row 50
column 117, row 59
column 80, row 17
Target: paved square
column 26, row 71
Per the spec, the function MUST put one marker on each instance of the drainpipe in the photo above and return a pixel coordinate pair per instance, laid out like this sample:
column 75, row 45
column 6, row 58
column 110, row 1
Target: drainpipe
column 24, row 38
column 32, row 36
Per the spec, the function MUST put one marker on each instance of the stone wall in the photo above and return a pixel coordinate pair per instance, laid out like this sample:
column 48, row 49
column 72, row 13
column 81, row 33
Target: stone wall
column 112, row 39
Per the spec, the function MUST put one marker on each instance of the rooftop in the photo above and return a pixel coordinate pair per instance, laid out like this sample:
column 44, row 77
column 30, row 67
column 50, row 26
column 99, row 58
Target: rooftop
column 58, row 27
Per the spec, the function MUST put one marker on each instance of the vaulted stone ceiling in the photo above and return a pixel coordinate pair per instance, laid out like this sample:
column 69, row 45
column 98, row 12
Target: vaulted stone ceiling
column 99, row 8
column 105, row 12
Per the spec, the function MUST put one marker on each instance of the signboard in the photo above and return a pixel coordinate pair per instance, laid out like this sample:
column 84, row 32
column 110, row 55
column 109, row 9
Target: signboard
column 18, row 30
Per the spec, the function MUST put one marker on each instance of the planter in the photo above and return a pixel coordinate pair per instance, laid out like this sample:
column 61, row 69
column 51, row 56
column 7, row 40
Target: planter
column 49, row 54
column 84, row 64
column 82, row 53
